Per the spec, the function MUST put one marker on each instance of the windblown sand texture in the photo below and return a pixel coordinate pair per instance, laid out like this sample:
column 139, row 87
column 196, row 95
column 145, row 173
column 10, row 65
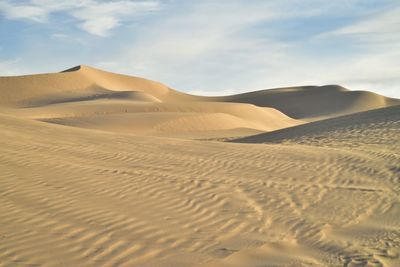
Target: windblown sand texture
column 102, row 169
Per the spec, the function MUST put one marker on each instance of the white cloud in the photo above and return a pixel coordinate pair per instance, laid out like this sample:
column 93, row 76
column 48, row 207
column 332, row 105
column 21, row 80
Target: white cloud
column 36, row 10
column 100, row 26
column 95, row 17
column 99, row 18
column 27, row 12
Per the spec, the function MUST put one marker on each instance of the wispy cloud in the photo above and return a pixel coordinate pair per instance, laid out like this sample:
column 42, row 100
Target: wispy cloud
column 382, row 22
column 376, row 28
column 100, row 18
column 35, row 10
column 93, row 16
column 375, row 63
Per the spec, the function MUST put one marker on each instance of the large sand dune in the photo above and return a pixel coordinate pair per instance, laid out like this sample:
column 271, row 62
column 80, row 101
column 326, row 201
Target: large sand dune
column 91, row 98
column 114, row 191
column 79, row 83
column 314, row 102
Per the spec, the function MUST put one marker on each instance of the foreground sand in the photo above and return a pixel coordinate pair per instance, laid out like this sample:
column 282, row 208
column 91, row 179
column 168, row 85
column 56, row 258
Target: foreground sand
column 72, row 197
column 318, row 194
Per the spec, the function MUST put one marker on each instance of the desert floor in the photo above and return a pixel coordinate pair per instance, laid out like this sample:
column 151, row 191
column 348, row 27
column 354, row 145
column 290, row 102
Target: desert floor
column 100, row 169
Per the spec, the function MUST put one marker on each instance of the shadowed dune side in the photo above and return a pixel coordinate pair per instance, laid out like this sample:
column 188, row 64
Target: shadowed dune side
column 341, row 126
column 313, row 102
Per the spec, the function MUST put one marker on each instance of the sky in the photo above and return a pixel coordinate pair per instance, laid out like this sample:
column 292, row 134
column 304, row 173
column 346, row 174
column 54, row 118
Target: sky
column 210, row 47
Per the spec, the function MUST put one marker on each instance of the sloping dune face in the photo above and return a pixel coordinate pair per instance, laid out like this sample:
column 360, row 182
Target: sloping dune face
column 88, row 177
column 314, row 102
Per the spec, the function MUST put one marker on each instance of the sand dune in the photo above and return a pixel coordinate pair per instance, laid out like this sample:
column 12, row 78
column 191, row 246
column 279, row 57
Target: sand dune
column 314, row 102
column 116, row 190
column 375, row 122
column 79, row 83
column 91, row 98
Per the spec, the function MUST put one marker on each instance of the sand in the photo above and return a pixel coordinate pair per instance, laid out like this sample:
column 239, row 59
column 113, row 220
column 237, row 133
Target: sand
column 102, row 169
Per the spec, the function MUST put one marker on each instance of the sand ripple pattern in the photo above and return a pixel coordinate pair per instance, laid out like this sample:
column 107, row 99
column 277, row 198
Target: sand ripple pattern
column 72, row 197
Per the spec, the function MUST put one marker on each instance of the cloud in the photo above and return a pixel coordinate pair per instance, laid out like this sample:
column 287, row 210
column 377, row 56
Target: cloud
column 93, row 16
column 35, row 10
column 100, row 26
column 386, row 22
column 26, row 12
column 210, row 48
column 99, row 18
column 380, row 28
column 374, row 61
column 208, row 39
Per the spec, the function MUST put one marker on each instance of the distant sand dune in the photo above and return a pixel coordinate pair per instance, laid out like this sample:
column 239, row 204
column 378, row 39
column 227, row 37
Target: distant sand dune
column 81, row 82
column 314, row 102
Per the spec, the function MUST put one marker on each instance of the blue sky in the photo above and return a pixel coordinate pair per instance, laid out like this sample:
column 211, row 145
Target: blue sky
column 210, row 47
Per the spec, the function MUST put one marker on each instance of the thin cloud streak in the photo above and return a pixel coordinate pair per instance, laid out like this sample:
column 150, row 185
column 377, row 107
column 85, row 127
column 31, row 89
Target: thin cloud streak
column 95, row 17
